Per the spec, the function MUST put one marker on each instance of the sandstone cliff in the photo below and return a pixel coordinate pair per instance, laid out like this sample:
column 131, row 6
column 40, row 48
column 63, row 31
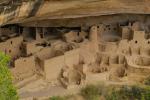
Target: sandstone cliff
column 24, row 11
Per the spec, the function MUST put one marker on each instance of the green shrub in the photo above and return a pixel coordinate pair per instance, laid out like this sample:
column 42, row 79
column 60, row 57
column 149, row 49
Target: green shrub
column 91, row 92
column 112, row 95
column 147, row 81
column 57, row 98
column 129, row 93
column 146, row 93
column 133, row 92
column 94, row 92
column 7, row 90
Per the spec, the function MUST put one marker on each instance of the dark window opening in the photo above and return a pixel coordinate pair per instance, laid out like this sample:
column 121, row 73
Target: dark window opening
column 41, row 35
column 9, row 51
column 86, row 37
column 20, row 30
column 78, row 33
column 20, row 48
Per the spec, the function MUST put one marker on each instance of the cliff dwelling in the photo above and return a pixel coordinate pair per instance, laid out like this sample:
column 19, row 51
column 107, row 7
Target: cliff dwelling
column 71, row 52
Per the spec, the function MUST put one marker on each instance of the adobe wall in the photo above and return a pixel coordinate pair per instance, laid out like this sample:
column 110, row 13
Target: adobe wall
column 23, row 67
column 31, row 47
column 4, row 31
column 45, row 53
column 70, row 36
column 124, row 47
column 93, row 37
column 126, row 32
column 139, row 44
column 139, row 37
column 108, row 29
column 12, row 46
column 139, row 71
column 86, row 54
column 53, row 66
column 72, row 57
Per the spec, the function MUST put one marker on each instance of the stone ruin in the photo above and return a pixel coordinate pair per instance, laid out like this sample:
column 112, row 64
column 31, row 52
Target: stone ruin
column 73, row 56
column 72, row 43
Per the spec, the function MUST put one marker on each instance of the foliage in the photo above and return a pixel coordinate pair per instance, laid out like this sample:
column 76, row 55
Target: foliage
column 125, row 93
column 94, row 92
column 146, row 93
column 147, row 81
column 112, row 95
column 7, row 90
column 91, row 92
column 57, row 98
column 130, row 93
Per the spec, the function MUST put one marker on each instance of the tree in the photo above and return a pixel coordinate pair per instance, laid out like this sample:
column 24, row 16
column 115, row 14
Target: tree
column 7, row 90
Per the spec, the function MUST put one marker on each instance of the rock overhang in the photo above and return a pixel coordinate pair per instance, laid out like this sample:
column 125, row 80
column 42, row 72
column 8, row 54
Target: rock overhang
column 55, row 10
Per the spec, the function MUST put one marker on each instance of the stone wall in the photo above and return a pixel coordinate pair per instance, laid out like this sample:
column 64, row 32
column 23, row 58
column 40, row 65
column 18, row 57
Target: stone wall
column 23, row 67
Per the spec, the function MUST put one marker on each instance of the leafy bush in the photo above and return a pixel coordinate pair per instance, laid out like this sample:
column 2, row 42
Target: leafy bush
column 145, row 94
column 94, row 92
column 147, row 81
column 129, row 93
column 61, row 98
column 7, row 90
column 112, row 95
column 57, row 98
column 91, row 92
